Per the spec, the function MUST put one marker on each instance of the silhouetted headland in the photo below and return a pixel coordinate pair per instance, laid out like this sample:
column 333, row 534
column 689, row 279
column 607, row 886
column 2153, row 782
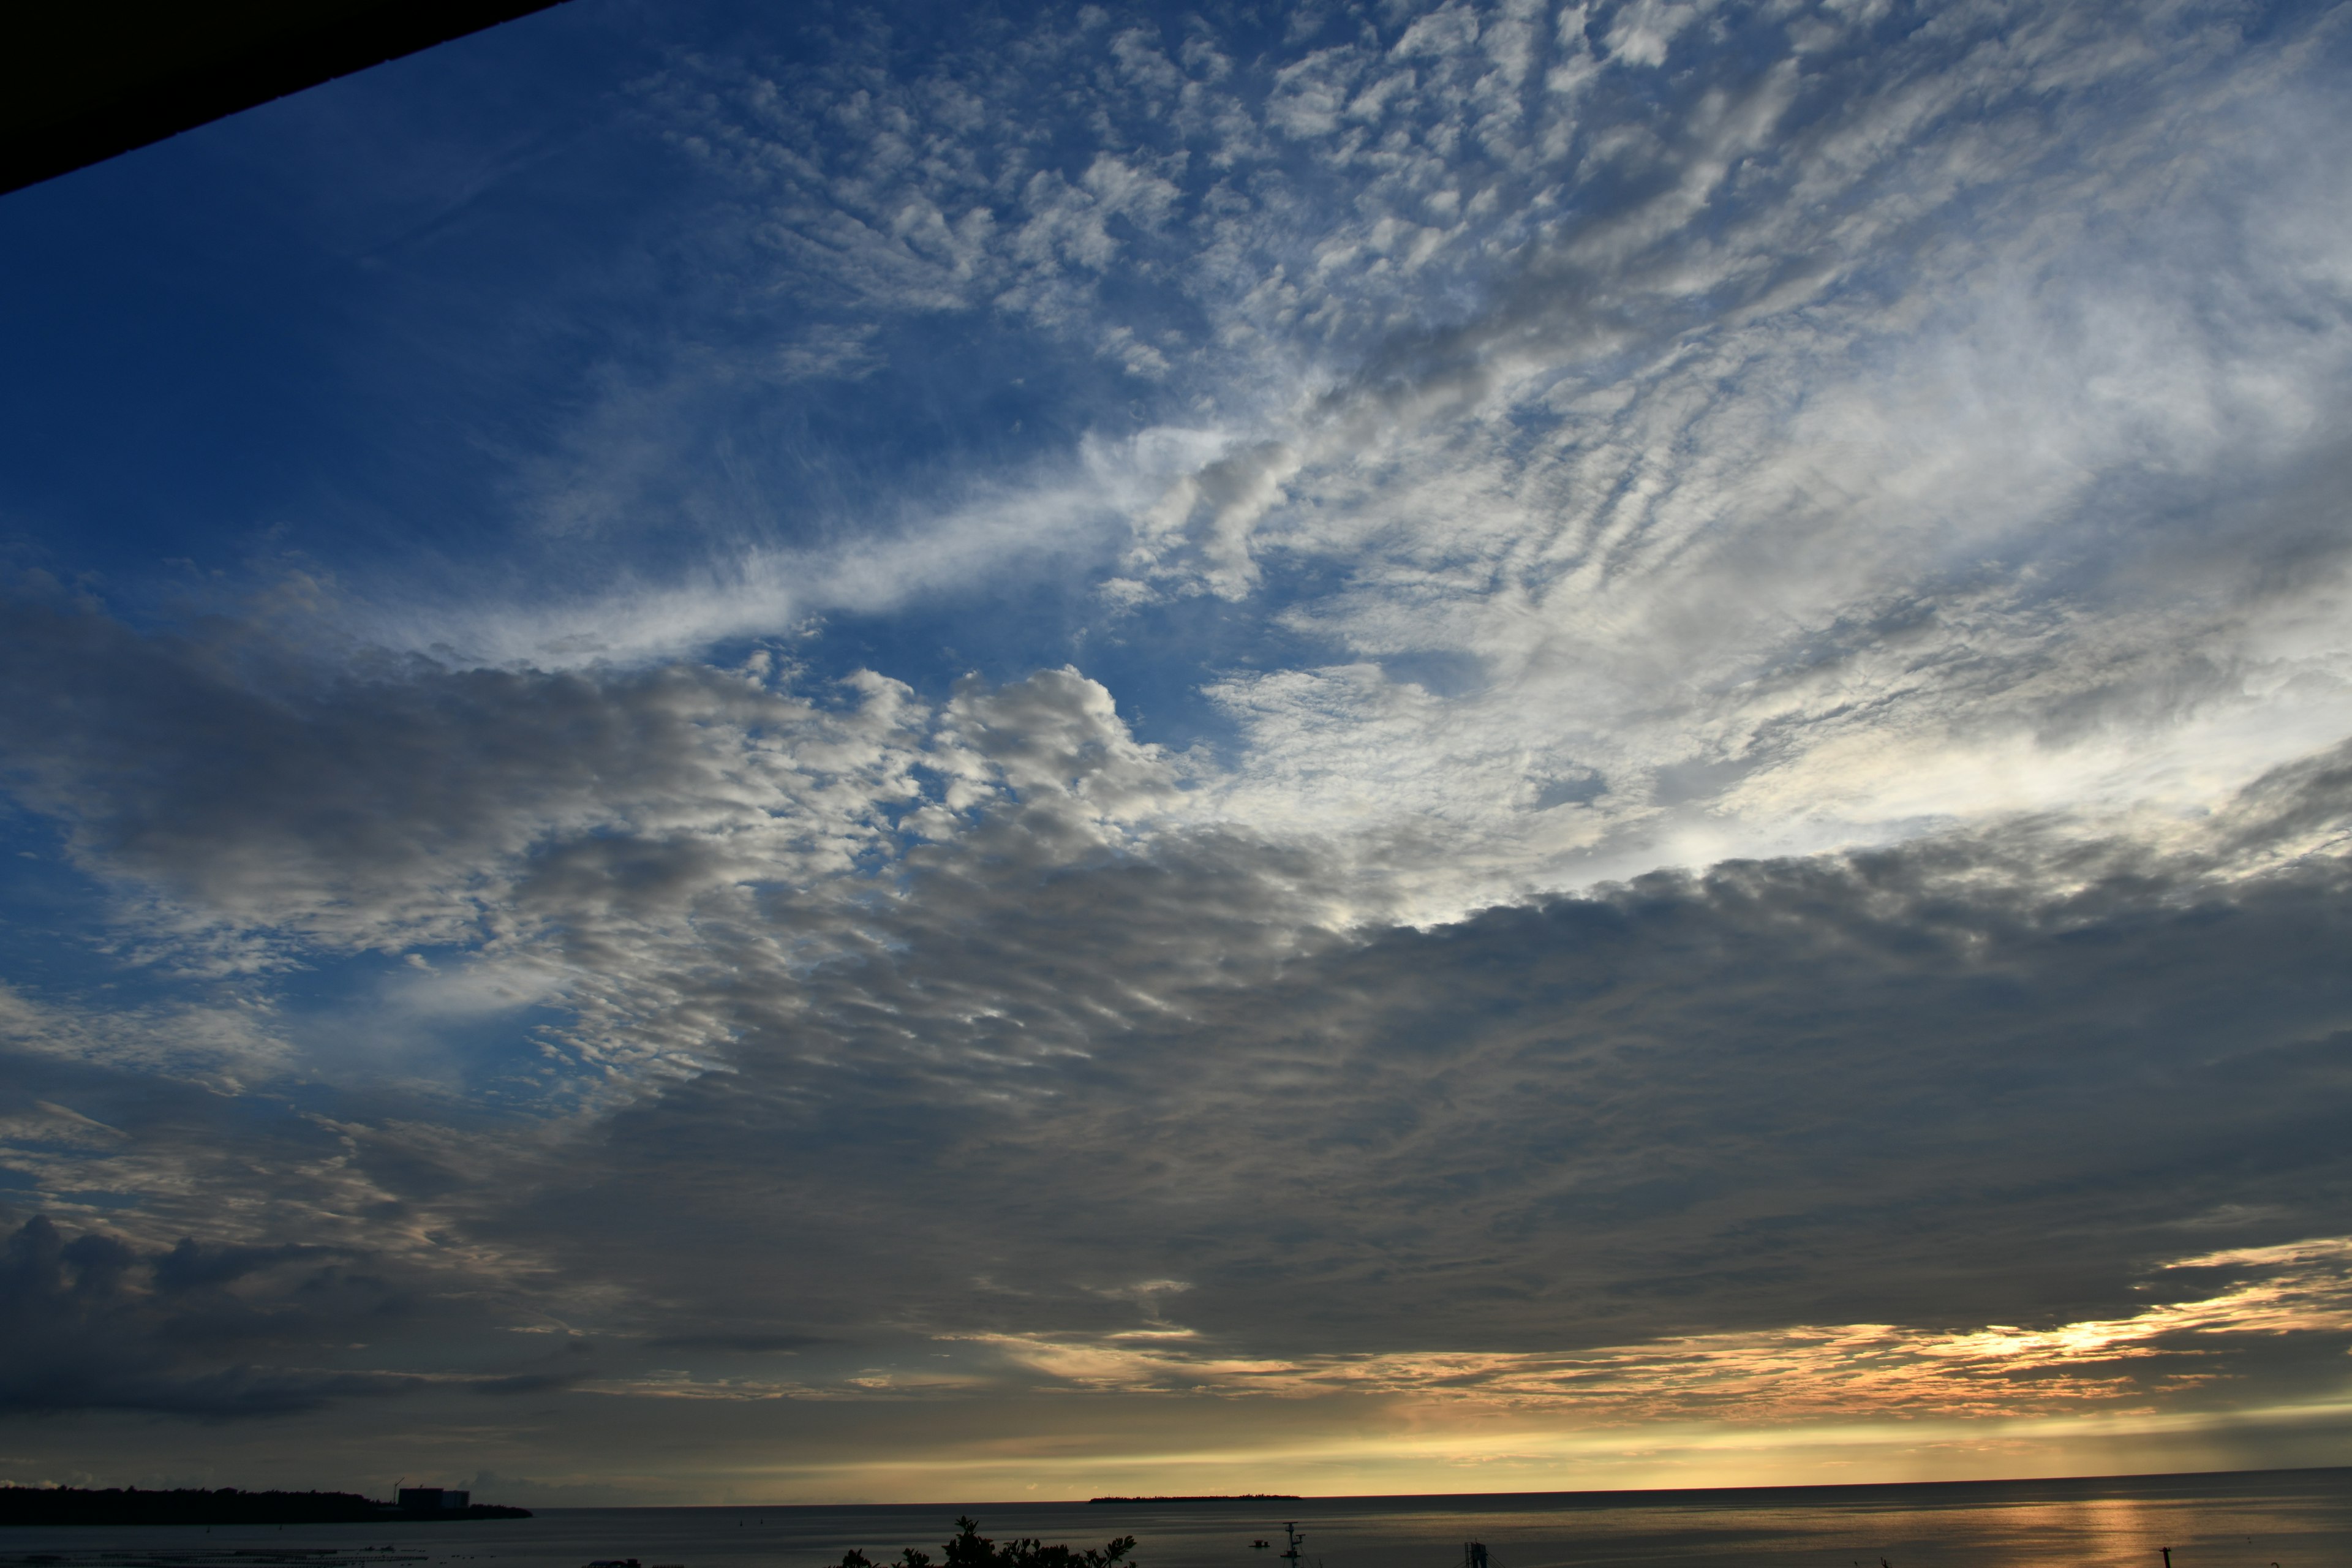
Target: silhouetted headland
column 129, row 1505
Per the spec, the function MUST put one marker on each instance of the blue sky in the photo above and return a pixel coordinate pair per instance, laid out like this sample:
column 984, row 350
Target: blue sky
column 898, row 751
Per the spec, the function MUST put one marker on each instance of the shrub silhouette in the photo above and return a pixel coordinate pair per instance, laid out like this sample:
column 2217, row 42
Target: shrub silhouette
column 970, row 1548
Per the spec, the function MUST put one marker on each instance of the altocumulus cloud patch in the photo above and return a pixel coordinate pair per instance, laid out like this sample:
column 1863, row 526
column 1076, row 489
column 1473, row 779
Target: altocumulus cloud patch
column 1536, row 729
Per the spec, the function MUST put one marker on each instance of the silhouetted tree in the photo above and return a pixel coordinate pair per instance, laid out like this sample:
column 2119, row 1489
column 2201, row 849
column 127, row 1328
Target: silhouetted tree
column 970, row 1548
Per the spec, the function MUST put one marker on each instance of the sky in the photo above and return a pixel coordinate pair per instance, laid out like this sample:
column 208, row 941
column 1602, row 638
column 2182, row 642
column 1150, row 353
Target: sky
column 898, row 753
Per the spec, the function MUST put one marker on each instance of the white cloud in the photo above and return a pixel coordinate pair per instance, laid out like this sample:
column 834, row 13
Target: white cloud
column 1772, row 457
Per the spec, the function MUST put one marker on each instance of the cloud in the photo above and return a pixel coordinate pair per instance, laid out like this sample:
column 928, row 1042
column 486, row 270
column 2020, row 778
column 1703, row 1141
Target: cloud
column 599, row 841
column 1790, row 533
column 391, row 804
column 92, row 1323
column 1011, row 903
column 2198, row 1347
column 1071, row 1089
column 748, row 1344
column 1764, row 600
column 208, row 1041
column 1884, row 422
column 1694, row 1103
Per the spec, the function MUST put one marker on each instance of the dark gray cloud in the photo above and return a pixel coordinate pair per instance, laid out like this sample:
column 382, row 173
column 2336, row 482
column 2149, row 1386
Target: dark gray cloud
column 1042, row 1060
column 214, row 1330
column 93, row 1323
column 743, row 1344
column 1986, row 1079
column 387, row 800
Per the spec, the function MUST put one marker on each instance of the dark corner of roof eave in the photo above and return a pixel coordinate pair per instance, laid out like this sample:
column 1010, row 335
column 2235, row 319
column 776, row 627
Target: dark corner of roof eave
column 103, row 117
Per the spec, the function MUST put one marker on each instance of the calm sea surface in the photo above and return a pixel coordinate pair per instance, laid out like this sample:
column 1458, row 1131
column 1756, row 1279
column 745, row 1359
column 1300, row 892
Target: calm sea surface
column 2295, row 1519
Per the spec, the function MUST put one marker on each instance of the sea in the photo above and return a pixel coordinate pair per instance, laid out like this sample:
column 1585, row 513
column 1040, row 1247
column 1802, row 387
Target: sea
column 2276, row 1519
